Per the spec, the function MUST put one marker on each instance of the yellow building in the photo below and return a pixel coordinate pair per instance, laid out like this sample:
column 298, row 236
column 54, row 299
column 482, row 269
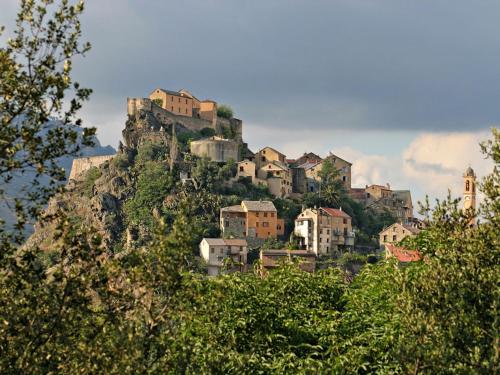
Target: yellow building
column 268, row 154
column 396, row 233
column 176, row 102
column 183, row 103
column 313, row 170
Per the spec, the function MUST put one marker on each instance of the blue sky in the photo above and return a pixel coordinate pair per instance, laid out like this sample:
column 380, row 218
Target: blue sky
column 403, row 89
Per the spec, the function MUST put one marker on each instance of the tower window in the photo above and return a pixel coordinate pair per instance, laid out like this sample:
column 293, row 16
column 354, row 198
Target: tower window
column 467, row 185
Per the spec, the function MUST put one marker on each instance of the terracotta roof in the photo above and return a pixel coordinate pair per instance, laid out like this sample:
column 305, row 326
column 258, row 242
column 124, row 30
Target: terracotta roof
column 402, row 254
column 258, row 206
column 334, row 212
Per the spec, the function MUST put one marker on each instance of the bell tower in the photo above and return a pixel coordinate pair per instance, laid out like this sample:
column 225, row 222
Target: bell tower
column 469, row 189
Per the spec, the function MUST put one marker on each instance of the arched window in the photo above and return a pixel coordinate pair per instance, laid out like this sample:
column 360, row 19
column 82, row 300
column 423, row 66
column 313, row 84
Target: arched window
column 467, row 185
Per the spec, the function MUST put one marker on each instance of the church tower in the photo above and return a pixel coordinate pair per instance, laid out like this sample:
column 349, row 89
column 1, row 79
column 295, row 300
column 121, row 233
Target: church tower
column 469, row 189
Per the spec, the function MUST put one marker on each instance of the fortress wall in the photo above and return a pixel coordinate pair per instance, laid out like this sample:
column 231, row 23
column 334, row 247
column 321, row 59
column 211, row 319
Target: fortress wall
column 81, row 165
column 216, row 150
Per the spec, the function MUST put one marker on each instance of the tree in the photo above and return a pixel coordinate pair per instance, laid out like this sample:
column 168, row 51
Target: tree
column 224, row 111
column 332, row 189
column 450, row 303
column 35, row 78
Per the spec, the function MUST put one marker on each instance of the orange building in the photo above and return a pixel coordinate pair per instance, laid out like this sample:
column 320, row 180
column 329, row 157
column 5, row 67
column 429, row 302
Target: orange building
column 258, row 219
column 183, row 103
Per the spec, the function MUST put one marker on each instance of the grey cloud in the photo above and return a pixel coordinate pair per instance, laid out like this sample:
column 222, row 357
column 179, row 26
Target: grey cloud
column 345, row 64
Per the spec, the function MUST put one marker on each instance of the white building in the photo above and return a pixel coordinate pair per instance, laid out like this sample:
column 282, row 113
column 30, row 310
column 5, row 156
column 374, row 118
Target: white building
column 324, row 230
column 219, row 251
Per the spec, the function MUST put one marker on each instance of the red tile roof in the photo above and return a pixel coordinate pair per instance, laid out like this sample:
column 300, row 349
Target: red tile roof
column 402, row 254
column 335, row 212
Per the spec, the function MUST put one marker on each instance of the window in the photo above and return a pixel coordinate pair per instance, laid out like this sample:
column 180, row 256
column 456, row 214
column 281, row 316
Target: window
column 394, row 238
column 265, row 214
column 344, row 178
column 393, row 229
column 272, row 214
column 467, row 186
column 344, row 221
column 320, row 239
column 265, row 224
column 328, row 231
column 263, row 158
column 257, row 214
column 385, row 237
column 278, row 227
column 186, row 101
column 172, row 108
column 241, row 169
column 179, row 109
column 321, row 231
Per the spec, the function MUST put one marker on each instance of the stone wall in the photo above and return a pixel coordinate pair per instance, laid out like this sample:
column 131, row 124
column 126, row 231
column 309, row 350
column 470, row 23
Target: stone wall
column 216, row 149
column 81, row 165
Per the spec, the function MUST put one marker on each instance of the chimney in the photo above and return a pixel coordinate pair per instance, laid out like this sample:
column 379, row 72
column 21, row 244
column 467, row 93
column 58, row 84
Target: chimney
column 388, row 186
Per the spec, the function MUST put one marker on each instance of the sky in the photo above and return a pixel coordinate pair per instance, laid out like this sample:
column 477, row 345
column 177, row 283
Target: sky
column 405, row 90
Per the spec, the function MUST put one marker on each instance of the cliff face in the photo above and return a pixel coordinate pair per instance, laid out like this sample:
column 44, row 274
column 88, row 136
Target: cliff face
column 21, row 183
column 94, row 200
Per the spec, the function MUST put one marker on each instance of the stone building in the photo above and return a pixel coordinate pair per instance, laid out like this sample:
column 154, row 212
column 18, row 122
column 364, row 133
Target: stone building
column 323, row 230
column 253, row 219
column 381, row 198
column 307, row 157
column 216, row 252
column 396, row 233
column 269, row 154
column 278, row 177
column 313, row 168
column 216, row 149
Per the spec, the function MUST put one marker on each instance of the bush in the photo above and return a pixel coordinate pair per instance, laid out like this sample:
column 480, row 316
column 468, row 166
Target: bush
column 207, row 132
column 224, row 111
column 120, row 162
column 90, row 178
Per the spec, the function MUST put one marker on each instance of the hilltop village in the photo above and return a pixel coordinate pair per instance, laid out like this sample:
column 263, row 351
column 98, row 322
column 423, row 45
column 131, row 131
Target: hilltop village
column 193, row 131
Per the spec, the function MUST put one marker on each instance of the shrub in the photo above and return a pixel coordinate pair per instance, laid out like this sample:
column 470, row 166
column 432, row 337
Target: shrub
column 224, row 111
column 89, row 181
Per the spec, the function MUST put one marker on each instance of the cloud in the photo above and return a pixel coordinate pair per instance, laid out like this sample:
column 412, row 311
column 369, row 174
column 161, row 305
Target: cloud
column 431, row 164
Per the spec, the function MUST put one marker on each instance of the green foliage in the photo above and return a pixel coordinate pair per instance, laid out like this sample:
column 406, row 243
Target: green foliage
column 154, row 183
column 89, row 180
column 224, row 111
column 158, row 102
column 207, row 132
column 35, row 70
column 121, row 162
column 149, row 152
